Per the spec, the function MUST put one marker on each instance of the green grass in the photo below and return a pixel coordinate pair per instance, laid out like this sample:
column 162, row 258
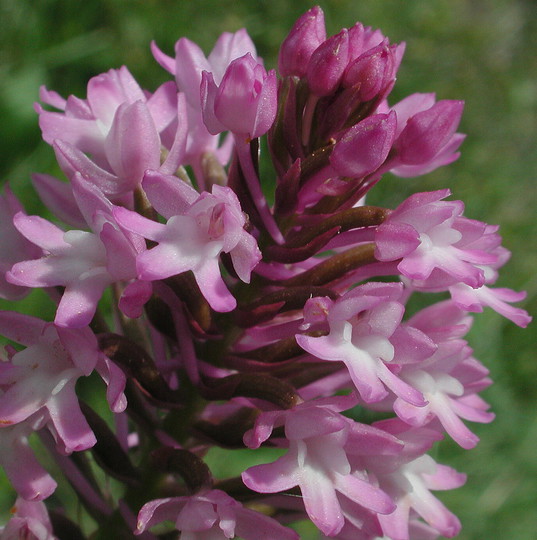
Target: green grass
column 480, row 51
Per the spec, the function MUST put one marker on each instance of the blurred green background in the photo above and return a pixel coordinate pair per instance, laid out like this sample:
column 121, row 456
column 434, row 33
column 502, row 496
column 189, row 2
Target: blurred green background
column 483, row 52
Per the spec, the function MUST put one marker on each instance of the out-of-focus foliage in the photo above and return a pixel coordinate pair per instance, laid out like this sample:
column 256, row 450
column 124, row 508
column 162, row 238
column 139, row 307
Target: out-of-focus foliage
column 481, row 51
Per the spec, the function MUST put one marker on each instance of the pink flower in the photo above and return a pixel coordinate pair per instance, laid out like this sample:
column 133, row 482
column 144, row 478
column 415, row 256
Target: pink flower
column 42, row 377
column 85, row 263
column 199, row 228
column 425, row 137
column 85, row 124
column 190, row 62
column 187, row 66
column 211, row 515
column 408, row 477
column 449, row 381
column 428, row 235
column 320, row 440
column 498, row 298
column 361, row 325
column 29, row 520
column 132, row 146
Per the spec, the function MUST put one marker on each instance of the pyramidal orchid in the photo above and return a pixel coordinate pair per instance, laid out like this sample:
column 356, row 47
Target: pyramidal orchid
column 221, row 318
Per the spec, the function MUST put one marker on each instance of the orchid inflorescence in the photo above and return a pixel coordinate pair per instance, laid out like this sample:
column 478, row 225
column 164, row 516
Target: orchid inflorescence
column 245, row 312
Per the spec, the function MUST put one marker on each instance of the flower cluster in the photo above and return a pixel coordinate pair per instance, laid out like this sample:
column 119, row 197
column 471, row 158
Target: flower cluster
column 240, row 319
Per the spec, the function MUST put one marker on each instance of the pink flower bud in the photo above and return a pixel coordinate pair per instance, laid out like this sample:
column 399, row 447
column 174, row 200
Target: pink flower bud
column 427, row 132
column 365, row 146
column 133, row 143
column 327, row 64
column 305, row 36
column 374, row 71
column 244, row 102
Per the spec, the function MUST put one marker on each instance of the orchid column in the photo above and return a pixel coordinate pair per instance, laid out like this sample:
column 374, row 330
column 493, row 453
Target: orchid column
column 245, row 311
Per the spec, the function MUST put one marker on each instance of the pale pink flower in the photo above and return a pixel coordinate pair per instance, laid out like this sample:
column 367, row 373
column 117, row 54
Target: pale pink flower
column 320, row 440
column 497, row 298
column 211, row 515
column 86, row 123
column 28, row 521
column 187, row 66
column 44, row 374
column 361, row 325
column 408, row 477
column 199, row 228
column 41, row 378
column 448, row 381
column 84, row 262
column 429, row 234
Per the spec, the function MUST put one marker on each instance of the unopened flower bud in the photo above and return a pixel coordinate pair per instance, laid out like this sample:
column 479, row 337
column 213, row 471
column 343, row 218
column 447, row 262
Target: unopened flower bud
column 244, row 102
column 427, row 132
column 373, row 71
column 305, row 36
column 327, row 64
column 365, row 146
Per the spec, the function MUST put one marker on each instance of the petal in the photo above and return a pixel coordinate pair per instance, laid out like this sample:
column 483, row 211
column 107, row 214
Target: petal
column 190, row 62
column 58, row 196
column 253, row 525
column 213, row 288
column 134, row 222
column 272, row 477
column 169, row 195
column 79, row 302
column 25, row 473
column 41, row 232
column 161, row 262
column 69, row 423
column 133, row 144
column 209, row 92
column 82, row 134
column 23, row 329
column 321, row 501
column 364, row 494
column 72, row 161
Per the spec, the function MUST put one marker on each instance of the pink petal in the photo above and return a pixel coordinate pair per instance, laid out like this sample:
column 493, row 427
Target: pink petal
column 23, row 329
column 364, row 494
column 213, row 288
column 272, row 477
column 134, row 222
column 41, row 232
column 73, row 161
column 70, row 424
column 58, row 196
column 321, row 501
column 79, row 302
column 169, row 195
column 167, row 62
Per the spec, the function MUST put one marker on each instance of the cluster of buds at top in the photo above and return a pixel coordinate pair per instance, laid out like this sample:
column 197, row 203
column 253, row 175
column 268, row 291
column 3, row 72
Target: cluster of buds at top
column 240, row 319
